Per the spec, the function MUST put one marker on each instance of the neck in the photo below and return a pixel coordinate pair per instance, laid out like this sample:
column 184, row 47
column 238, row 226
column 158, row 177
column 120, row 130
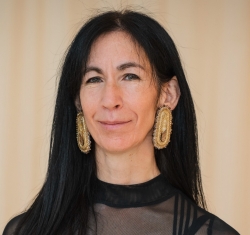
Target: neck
column 134, row 166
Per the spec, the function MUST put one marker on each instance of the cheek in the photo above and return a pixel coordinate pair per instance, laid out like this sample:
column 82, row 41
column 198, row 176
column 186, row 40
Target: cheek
column 146, row 114
column 145, row 97
column 89, row 103
column 144, row 104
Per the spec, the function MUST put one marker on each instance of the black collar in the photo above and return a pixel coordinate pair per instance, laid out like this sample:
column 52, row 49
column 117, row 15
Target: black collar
column 151, row 192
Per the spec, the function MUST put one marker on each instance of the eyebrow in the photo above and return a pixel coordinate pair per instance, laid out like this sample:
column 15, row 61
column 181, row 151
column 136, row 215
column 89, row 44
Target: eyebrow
column 93, row 68
column 129, row 65
column 120, row 67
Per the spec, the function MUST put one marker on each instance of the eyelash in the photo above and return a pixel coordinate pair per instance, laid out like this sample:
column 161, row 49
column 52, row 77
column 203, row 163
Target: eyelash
column 94, row 80
column 134, row 76
column 130, row 76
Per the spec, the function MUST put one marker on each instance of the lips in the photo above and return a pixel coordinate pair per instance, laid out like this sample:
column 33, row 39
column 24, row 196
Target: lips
column 113, row 122
column 112, row 125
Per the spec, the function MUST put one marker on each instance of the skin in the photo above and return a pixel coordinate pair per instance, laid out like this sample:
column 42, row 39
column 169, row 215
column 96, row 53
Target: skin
column 119, row 100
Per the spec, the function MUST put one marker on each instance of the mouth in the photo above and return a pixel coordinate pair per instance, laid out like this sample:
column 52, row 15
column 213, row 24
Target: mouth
column 113, row 124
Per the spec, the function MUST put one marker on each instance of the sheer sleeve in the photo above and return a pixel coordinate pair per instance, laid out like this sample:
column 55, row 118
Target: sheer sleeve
column 191, row 219
column 12, row 224
column 218, row 226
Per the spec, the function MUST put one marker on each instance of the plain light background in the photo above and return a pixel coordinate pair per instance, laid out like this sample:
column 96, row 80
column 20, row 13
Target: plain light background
column 213, row 38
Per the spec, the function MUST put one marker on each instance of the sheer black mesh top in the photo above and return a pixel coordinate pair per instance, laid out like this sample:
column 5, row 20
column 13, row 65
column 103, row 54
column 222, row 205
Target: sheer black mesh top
column 150, row 208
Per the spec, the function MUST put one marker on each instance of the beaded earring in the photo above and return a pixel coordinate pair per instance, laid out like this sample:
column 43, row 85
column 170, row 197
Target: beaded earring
column 82, row 134
column 163, row 128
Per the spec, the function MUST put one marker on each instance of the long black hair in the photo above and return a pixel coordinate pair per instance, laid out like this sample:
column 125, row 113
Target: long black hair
column 63, row 205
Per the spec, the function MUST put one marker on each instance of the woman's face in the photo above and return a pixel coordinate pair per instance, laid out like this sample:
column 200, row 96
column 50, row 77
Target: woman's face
column 118, row 95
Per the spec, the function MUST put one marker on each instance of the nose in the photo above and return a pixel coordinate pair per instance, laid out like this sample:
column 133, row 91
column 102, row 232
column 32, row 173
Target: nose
column 112, row 96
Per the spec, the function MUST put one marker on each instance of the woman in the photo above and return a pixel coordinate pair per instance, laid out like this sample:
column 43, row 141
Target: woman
column 123, row 83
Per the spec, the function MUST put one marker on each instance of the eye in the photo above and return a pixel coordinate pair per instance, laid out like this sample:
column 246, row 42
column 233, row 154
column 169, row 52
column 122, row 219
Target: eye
column 130, row 76
column 94, row 80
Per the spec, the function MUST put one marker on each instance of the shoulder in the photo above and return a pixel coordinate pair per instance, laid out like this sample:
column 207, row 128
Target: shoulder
column 218, row 226
column 200, row 221
column 211, row 224
column 12, row 225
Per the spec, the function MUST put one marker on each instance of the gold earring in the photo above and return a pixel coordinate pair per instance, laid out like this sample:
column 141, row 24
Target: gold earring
column 82, row 134
column 163, row 128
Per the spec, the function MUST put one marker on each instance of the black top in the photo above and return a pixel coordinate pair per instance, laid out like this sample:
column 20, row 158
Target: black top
column 150, row 208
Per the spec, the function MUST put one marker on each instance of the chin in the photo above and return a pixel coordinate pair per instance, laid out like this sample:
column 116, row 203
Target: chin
column 116, row 146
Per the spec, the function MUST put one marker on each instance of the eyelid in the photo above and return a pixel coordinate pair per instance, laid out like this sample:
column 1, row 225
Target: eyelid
column 134, row 76
column 98, row 79
column 95, row 78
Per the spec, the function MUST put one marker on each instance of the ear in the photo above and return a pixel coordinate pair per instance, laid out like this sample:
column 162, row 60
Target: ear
column 170, row 94
column 78, row 104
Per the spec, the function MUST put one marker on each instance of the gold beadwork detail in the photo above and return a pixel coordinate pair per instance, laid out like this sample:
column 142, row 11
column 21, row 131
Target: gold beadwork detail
column 163, row 128
column 82, row 134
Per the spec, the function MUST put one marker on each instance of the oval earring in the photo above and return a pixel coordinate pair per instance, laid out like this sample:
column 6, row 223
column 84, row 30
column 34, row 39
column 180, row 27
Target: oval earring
column 163, row 128
column 82, row 134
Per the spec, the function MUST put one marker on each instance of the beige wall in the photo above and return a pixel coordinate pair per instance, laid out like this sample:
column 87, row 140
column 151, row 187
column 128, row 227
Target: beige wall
column 213, row 38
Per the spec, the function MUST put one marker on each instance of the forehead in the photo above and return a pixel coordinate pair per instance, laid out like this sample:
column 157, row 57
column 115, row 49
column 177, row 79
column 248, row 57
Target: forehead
column 118, row 47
